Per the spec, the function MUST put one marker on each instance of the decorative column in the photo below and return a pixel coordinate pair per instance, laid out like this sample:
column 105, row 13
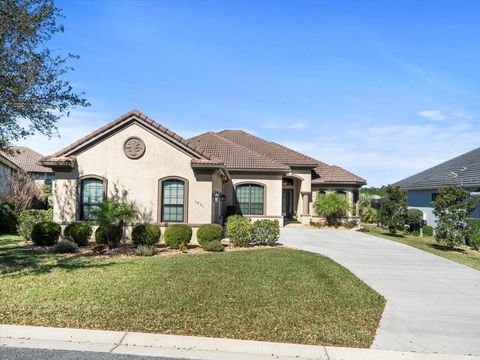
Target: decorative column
column 306, row 203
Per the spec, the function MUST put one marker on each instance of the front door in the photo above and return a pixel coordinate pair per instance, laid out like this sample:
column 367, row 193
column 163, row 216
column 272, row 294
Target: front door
column 287, row 203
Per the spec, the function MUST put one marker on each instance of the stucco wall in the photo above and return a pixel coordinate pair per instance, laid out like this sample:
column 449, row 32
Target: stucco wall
column 273, row 192
column 134, row 181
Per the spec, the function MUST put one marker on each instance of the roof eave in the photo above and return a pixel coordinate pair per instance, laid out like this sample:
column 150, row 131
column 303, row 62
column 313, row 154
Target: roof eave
column 258, row 170
column 65, row 164
column 434, row 187
column 206, row 166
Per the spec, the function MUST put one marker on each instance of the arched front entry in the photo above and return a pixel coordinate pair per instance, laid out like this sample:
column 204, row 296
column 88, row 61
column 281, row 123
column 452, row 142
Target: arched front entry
column 290, row 194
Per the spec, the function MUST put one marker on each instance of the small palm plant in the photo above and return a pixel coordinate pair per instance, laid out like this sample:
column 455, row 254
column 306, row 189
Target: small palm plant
column 332, row 206
column 111, row 216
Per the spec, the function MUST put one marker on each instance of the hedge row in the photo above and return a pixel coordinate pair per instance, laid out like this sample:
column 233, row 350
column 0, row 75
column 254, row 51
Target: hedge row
column 242, row 232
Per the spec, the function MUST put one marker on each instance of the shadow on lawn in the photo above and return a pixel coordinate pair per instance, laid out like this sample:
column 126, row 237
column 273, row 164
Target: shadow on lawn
column 446, row 248
column 16, row 260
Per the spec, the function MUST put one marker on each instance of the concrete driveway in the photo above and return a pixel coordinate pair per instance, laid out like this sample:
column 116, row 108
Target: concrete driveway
column 433, row 304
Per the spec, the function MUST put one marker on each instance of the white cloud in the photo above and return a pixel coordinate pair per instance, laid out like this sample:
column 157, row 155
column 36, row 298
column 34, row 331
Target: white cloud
column 70, row 129
column 390, row 153
column 434, row 115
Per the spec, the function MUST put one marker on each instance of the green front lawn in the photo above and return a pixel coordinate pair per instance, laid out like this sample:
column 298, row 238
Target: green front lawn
column 462, row 255
column 274, row 295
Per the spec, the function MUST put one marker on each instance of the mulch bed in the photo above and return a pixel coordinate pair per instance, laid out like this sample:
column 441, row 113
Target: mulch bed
column 125, row 249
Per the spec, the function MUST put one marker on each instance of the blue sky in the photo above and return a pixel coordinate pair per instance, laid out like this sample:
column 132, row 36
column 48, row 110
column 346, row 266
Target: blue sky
column 382, row 88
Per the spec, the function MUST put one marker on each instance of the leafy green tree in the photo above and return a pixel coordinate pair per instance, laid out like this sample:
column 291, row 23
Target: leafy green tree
column 414, row 220
column 393, row 211
column 34, row 94
column 452, row 208
column 332, row 206
column 368, row 192
column 111, row 216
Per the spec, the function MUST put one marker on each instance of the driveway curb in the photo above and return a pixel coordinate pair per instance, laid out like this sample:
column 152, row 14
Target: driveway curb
column 201, row 348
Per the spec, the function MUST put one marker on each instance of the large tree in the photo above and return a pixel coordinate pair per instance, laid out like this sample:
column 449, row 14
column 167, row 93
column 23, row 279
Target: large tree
column 34, row 93
column 393, row 209
column 452, row 208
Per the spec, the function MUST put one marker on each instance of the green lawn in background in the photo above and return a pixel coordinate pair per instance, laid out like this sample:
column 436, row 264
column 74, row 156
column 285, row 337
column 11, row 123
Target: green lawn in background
column 462, row 255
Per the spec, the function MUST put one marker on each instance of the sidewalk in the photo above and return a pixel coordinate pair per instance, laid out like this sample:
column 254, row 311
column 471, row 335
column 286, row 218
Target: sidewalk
column 190, row 347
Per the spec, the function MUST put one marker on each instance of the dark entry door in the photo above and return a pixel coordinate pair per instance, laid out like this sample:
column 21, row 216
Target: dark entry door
column 287, row 203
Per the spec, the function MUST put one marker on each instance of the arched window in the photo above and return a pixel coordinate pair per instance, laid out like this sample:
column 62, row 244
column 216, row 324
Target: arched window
column 250, row 198
column 173, row 200
column 92, row 192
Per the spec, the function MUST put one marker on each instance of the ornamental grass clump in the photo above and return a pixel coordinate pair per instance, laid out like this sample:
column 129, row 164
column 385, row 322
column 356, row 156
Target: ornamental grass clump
column 214, row 246
column 145, row 250
column 64, row 246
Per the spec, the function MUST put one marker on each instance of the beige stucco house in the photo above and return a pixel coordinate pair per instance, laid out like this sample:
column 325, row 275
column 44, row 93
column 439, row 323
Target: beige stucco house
column 195, row 181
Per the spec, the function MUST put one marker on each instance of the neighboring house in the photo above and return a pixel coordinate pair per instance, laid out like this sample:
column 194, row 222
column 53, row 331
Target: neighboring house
column 25, row 159
column 195, row 181
column 462, row 171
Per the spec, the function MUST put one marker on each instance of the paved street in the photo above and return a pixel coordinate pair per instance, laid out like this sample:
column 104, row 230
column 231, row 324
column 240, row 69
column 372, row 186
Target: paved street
column 9, row 353
column 433, row 304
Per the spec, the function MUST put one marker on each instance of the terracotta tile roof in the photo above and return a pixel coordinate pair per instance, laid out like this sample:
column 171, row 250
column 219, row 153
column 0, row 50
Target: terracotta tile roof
column 271, row 149
column 332, row 174
column 239, row 149
column 141, row 118
column 26, row 159
column 234, row 156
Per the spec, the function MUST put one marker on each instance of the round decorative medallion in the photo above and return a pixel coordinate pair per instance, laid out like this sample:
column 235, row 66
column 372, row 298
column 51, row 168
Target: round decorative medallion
column 134, row 147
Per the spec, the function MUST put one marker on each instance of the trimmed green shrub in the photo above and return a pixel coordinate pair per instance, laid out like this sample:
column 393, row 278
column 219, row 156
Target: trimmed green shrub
column 115, row 232
column 8, row 219
column 214, row 246
column 209, row 232
column 79, row 233
column 27, row 219
column 177, row 235
column 46, row 233
column 266, row 232
column 473, row 233
column 240, row 230
column 428, row 231
column 414, row 220
column 146, row 234
column 145, row 250
column 65, row 246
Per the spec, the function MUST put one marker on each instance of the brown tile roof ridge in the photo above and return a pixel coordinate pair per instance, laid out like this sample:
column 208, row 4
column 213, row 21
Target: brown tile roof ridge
column 234, row 146
column 26, row 159
column 132, row 113
column 301, row 159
